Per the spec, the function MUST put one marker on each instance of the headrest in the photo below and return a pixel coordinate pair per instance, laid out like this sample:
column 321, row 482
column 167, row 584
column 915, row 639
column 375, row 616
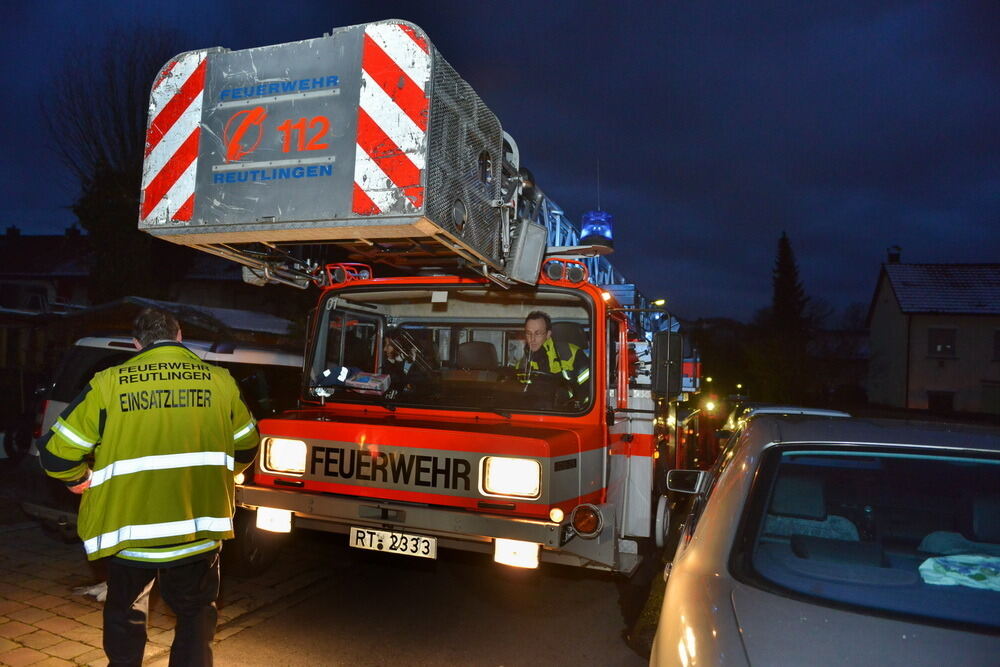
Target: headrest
column 570, row 332
column 986, row 519
column 799, row 496
column 476, row 356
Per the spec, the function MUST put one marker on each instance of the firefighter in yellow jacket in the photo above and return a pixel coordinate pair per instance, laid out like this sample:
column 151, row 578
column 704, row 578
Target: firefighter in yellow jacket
column 547, row 359
column 153, row 446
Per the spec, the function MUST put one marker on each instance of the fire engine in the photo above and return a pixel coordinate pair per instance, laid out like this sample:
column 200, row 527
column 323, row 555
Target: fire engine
column 421, row 425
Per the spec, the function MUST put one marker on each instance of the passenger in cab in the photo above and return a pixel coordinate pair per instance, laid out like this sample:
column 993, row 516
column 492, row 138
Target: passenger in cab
column 408, row 361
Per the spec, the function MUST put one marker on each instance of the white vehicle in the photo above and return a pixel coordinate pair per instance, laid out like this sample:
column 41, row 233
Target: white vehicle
column 832, row 541
column 739, row 416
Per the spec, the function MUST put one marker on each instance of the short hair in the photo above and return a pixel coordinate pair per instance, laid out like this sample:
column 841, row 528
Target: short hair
column 151, row 325
column 540, row 315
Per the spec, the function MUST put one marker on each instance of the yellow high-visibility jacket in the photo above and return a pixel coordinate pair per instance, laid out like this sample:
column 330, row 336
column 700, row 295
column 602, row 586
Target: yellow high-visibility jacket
column 565, row 359
column 166, row 433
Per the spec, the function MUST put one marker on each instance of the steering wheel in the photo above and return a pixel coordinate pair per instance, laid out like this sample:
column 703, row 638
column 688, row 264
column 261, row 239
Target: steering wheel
column 507, row 375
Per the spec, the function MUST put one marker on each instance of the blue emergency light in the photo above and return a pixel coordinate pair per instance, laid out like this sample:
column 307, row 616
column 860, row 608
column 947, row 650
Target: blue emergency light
column 595, row 229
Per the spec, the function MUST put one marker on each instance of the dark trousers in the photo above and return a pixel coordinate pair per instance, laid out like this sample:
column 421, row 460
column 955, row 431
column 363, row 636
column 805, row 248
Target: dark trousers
column 189, row 589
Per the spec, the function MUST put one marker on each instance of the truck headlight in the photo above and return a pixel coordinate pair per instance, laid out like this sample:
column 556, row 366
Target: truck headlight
column 501, row 476
column 283, row 455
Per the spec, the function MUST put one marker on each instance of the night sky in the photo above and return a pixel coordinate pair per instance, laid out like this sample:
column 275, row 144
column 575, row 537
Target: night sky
column 705, row 128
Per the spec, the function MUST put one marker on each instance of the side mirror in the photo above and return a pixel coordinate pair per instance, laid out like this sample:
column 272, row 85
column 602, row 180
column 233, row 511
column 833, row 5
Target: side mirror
column 667, row 363
column 687, row 481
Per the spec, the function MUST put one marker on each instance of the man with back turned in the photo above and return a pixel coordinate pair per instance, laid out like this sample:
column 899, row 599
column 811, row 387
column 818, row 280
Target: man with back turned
column 153, row 446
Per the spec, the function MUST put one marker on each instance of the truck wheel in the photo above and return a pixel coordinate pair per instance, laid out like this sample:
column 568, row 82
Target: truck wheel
column 252, row 550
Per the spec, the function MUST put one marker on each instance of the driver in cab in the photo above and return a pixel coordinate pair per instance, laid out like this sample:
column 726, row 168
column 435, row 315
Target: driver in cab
column 547, row 359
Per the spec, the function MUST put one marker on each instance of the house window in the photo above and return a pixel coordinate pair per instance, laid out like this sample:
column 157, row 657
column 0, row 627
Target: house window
column 991, row 398
column 996, row 345
column 941, row 342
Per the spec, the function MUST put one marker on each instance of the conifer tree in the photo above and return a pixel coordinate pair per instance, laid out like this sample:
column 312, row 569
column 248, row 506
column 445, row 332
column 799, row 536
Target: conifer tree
column 789, row 300
column 778, row 354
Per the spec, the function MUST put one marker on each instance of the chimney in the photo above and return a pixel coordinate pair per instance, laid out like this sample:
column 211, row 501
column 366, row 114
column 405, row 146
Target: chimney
column 13, row 232
column 893, row 252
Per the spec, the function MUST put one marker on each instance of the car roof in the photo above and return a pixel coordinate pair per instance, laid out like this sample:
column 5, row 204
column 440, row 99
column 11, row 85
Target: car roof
column 769, row 430
column 791, row 410
column 744, row 411
column 220, row 352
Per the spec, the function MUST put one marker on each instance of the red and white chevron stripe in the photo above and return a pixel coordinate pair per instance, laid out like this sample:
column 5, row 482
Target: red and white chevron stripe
column 168, row 173
column 392, row 120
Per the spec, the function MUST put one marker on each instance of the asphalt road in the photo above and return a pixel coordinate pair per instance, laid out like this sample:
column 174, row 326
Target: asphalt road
column 462, row 609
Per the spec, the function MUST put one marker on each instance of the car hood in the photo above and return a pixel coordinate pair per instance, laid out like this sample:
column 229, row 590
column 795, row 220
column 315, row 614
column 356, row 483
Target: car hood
column 782, row 631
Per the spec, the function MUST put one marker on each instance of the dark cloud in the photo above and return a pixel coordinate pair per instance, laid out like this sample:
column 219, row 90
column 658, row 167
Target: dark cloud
column 710, row 127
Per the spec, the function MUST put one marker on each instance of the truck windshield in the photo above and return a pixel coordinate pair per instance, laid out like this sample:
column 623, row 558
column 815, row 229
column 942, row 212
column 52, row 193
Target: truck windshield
column 453, row 348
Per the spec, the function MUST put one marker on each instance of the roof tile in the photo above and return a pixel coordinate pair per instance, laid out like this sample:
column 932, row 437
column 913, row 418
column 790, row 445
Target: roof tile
column 969, row 289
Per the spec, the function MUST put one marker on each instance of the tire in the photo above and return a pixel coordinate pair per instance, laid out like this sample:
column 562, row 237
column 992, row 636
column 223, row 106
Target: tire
column 16, row 442
column 252, row 551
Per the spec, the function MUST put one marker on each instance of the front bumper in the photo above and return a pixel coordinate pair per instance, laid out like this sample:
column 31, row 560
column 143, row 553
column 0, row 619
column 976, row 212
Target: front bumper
column 454, row 529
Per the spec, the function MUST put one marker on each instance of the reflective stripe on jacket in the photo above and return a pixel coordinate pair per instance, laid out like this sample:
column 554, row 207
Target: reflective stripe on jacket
column 167, row 433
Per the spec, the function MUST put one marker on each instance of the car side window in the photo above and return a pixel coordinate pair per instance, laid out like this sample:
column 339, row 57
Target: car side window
column 699, row 503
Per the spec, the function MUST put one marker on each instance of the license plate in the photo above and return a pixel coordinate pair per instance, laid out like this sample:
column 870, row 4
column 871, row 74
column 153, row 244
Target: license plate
column 393, row 542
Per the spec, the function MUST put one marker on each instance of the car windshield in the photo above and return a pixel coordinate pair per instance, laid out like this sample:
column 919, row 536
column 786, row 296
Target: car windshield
column 915, row 534
column 451, row 348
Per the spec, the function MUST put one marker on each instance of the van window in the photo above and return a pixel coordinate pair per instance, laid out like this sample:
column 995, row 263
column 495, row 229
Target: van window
column 267, row 390
column 79, row 365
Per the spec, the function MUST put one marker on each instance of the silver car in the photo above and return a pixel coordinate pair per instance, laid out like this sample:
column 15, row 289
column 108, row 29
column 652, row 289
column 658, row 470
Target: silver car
column 833, row 541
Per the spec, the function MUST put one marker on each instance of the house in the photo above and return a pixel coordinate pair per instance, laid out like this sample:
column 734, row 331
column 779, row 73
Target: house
column 935, row 337
column 42, row 274
column 44, row 298
column 41, row 278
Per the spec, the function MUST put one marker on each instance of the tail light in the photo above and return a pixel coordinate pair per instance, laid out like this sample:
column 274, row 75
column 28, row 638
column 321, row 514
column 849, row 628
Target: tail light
column 39, row 417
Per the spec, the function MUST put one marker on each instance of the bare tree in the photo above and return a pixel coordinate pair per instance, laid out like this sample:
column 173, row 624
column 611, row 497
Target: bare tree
column 96, row 117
